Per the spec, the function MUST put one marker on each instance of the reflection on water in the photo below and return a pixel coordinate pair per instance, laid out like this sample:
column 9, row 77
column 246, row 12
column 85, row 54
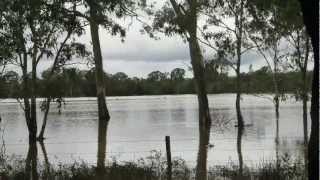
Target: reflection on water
column 102, row 142
column 277, row 141
column 139, row 125
column 45, row 156
column 239, row 148
column 31, row 162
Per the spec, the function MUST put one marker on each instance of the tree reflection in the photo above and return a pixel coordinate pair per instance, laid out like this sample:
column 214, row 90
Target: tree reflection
column 239, row 149
column 204, row 143
column 277, row 142
column 102, row 142
column 46, row 160
column 31, row 162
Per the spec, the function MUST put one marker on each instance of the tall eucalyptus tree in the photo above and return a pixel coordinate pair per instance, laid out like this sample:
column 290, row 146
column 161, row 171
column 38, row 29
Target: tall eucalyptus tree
column 182, row 19
column 104, row 13
column 310, row 11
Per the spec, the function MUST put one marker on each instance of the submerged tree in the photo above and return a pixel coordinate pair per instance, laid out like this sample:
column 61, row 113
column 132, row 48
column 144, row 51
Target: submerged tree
column 230, row 19
column 182, row 19
column 65, row 52
column 96, row 13
column 268, row 37
column 295, row 34
column 226, row 32
column 311, row 16
column 31, row 30
column 266, row 34
column 300, row 58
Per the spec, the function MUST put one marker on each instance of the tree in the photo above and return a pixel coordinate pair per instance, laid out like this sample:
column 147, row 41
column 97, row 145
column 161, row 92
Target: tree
column 310, row 16
column 290, row 26
column 182, row 19
column 230, row 42
column 157, row 76
column 65, row 52
column 96, row 13
column 177, row 74
column 32, row 29
column 267, row 35
column 216, row 75
column 120, row 76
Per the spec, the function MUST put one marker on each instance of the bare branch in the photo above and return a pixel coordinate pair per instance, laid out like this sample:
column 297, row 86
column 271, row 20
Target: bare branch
column 55, row 62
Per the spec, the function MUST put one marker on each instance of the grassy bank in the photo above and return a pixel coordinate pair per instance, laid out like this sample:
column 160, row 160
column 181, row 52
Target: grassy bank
column 150, row 168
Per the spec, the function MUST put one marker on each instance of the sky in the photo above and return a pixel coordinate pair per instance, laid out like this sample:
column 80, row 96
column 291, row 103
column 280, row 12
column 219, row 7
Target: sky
column 139, row 55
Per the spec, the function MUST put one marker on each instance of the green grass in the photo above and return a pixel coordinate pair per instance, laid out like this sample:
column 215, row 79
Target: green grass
column 151, row 168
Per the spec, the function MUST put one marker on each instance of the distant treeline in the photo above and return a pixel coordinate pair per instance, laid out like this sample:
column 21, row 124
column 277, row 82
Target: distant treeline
column 73, row 82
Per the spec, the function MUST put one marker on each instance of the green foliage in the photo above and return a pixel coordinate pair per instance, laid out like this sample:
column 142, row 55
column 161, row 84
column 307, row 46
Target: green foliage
column 73, row 82
column 177, row 74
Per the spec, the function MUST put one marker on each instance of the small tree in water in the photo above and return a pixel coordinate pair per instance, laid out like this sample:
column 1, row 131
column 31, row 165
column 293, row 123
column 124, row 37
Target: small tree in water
column 32, row 30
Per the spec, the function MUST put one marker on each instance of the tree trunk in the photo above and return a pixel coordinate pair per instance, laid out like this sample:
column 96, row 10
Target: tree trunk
column 238, row 87
column 54, row 67
column 26, row 91
column 310, row 16
column 204, row 113
column 33, row 116
column 305, row 121
column 199, row 79
column 238, row 20
column 313, row 146
column 103, row 111
column 31, row 162
column 276, row 104
column 100, row 86
column 305, row 118
column 304, row 104
column 44, row 122
column 275, row 85
column 238, row 109
column 239, row 150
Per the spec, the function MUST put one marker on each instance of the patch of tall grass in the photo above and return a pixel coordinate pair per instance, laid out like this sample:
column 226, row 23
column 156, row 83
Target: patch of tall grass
column 152, row 168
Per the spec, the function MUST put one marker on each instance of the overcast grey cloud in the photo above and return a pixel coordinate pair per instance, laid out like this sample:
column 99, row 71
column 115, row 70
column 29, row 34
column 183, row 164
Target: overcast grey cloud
column 140, row 55
column 138, row 47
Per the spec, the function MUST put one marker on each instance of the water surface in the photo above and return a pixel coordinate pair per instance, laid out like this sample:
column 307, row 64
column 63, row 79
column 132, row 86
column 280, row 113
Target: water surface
column 139, row 124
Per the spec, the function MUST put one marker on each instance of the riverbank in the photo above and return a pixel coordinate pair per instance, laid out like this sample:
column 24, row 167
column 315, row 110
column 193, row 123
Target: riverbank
column 150, row 168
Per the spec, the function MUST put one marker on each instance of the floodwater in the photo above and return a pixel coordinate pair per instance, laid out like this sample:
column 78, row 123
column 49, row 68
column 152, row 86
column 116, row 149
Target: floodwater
column 139, row 124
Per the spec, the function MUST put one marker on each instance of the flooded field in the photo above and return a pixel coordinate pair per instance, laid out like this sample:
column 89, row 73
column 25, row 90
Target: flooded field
column 139, row 124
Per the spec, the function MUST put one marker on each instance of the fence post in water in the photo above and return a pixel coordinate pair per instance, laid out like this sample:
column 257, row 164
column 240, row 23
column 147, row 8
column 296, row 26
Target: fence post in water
column 168, row 149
